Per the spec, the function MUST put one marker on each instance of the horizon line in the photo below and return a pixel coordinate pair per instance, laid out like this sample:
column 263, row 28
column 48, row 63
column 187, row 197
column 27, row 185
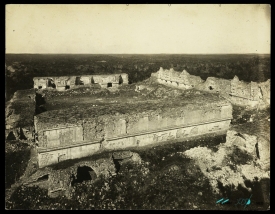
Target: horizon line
column 143, row 53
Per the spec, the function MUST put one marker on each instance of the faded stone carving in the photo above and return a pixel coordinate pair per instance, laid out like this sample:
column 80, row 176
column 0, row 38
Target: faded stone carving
column 44, row 160
column 194, row 131
column 177, row 79
column 66, row 137
column 62, row 157
column 43, row 141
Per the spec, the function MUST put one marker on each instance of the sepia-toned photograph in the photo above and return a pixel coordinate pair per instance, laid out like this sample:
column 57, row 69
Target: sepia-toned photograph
column 137, row 106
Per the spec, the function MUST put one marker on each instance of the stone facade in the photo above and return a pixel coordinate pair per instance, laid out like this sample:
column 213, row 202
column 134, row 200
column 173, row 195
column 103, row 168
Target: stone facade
column 66, row 82
column 135, row 129
column 177, row 79
column 237, row 92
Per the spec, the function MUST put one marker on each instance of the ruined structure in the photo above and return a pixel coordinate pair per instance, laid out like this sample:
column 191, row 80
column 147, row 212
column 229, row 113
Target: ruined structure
column 76, row 132
column 19, row 115
column 79, row 132
column 237, row 92
column 177, row 79
column 66, row 82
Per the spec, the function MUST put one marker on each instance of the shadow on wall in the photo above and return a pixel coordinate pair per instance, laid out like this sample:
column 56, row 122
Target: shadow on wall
column 40, row 101
column 120, row 81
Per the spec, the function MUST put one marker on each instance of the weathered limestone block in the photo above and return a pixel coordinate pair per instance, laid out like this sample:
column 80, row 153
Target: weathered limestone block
column 45, row 159
column 61, row 154
column 85, row 79
column 89, row 130
column 119, row 143
column 263, row 147
column 226, row 111
column 124, row 78
column 243, row 141
column 265, row 91
column 53, row 137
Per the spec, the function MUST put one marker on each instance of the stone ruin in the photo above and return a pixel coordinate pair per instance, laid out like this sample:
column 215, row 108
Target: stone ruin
column 74, row 133
column 177, row 79
column 79, row 132
column 62, row 83
column 255, row 95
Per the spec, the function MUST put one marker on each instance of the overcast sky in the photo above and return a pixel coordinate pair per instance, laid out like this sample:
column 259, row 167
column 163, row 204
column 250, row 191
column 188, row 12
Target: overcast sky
column 139, row 29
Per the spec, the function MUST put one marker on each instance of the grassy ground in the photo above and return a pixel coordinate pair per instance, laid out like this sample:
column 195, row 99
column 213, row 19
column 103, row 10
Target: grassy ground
column 171, row 182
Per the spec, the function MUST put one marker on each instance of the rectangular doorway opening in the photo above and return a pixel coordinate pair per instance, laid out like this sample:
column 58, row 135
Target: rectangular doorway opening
column 109, row 84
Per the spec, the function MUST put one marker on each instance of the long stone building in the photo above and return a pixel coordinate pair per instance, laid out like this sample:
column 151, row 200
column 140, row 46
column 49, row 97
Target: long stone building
column 66, row 82
column 78, row 132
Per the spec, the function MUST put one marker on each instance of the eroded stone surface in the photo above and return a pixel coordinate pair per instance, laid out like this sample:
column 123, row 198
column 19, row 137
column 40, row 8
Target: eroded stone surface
column 222, row 165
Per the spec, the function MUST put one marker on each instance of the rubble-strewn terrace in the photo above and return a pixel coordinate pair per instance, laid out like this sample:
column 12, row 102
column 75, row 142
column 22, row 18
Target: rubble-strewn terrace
column 76, row 114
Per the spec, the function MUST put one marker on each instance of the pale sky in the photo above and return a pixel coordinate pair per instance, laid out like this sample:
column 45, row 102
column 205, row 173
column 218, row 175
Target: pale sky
column 138, row 29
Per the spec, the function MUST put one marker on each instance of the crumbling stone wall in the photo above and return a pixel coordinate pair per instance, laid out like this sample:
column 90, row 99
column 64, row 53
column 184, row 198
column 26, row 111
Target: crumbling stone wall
column 215, row 85
column 177, row 79
column 114, row 131
column 265, row 91
column 66, row 82
column 19, row 114
column 55, row 155
column 238, row 92
column 60, row 181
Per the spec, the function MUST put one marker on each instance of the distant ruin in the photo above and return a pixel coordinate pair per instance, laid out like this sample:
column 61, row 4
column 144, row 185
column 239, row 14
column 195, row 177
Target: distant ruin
column 178, row 79
column 66, row 82
column 236, row 91
column 75, row 132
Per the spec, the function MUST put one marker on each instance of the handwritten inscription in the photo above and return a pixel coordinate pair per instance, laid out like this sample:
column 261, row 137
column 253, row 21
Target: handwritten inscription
column 222, row 201
column 243, row 202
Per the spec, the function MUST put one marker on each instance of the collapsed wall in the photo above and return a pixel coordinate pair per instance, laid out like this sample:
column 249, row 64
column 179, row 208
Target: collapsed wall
column 79, row 132
column 66, row 82
column 19, row 114
column 253, row 94
column 241, row 158
column 176, row 79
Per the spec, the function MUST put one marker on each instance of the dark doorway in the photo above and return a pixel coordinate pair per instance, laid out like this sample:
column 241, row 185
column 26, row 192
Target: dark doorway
column 84, row 173
column 78, row 81
column 51, row 83
column 210, row 87
column 120, row 81
column 117, row 164
column 43, row 178
column 109, row 84
column 39, row 87
column 67, row 87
